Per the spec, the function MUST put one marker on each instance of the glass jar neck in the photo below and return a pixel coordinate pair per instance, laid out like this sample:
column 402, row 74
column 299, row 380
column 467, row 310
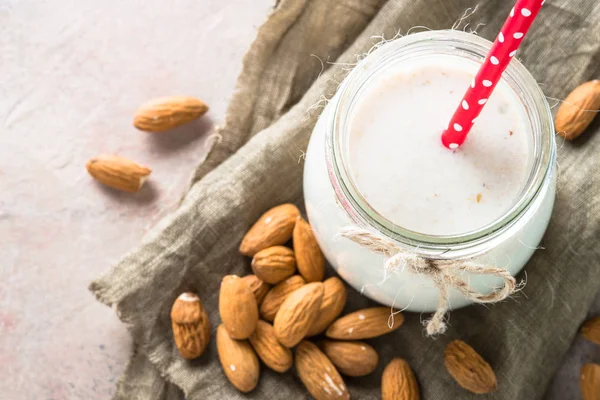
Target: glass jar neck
column 446, row 42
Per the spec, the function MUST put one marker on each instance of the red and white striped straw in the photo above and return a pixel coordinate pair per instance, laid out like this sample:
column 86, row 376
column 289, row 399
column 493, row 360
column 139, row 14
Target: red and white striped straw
column 503, row 50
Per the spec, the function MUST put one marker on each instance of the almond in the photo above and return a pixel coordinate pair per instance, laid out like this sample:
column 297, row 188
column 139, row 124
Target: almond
column 258, row 287
column 309, row 258
column 274, row 264
column 118, row 172
column 270, row 351
column 277, row 295
column 591, row 330
column 468, row 368
column 191, row 327
column 590, row 382
column 398, row 382
column 238, row 361
column 237, row 306
column 297, row 312
column 366, row 323
column 578, row 110
column 334, row 300
column 318, row 374
column 165, row 113
column 351, row 358
column 273, row 228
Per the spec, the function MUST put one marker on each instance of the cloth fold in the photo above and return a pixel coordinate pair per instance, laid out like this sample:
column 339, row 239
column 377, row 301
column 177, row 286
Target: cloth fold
column 257, row 164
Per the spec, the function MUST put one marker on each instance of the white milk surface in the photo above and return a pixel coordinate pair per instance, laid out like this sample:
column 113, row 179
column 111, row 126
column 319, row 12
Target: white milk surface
column 401, row 168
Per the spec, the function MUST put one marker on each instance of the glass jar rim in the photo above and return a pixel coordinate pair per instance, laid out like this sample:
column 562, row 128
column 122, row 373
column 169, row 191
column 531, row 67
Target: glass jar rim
column 360, row 211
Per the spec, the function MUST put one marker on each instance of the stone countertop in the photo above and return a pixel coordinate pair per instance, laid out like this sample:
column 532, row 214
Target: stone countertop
column 72, row 74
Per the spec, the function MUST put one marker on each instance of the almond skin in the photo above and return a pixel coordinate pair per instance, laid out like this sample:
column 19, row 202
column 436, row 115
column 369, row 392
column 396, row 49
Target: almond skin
column 468, row 368
column 591, row 330
column 590, row 382
column 191, row 327
column 166, row 113
column 277, row 295
column 577, row 111
column 398, row 382
column 273, row 228
column 334, row 300
column 118, row 172
column 318, row 374
column 309, row 258
column 258, row 287
column 351, row 358
column 274, row 264
column 237, row 306
column 238, row 360
column 270, row 351
column 364, row 324
column 297, row 313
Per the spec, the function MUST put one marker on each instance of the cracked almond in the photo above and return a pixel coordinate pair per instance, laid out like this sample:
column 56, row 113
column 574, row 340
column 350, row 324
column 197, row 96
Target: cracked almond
column 191, row 327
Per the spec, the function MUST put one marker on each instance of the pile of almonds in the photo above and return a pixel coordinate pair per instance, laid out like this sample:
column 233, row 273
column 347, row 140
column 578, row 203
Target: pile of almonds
column 285, row 302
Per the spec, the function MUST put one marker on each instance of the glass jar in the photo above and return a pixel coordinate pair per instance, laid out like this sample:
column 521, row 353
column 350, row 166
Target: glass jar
column 333, row 201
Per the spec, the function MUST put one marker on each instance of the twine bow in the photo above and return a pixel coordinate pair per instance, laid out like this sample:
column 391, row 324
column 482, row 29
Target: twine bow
column 443, row 273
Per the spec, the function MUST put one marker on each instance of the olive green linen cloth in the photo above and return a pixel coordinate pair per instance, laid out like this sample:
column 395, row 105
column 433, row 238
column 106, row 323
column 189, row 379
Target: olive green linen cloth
column 258, row 164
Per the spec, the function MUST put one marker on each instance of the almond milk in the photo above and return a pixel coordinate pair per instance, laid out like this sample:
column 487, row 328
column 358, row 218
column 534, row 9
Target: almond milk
column 404, row 172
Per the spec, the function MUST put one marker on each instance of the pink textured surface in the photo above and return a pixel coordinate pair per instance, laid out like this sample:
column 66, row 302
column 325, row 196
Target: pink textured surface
column 72, row 74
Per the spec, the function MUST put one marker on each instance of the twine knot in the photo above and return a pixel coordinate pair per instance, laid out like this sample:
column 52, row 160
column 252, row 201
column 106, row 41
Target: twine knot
column 443, row 273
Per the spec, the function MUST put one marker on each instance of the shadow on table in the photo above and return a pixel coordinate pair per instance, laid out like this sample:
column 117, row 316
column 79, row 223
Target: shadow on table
column 148, row 194
column 180, row 137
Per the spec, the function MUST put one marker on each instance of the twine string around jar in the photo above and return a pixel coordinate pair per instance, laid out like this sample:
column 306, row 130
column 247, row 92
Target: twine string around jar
column 443, row 273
